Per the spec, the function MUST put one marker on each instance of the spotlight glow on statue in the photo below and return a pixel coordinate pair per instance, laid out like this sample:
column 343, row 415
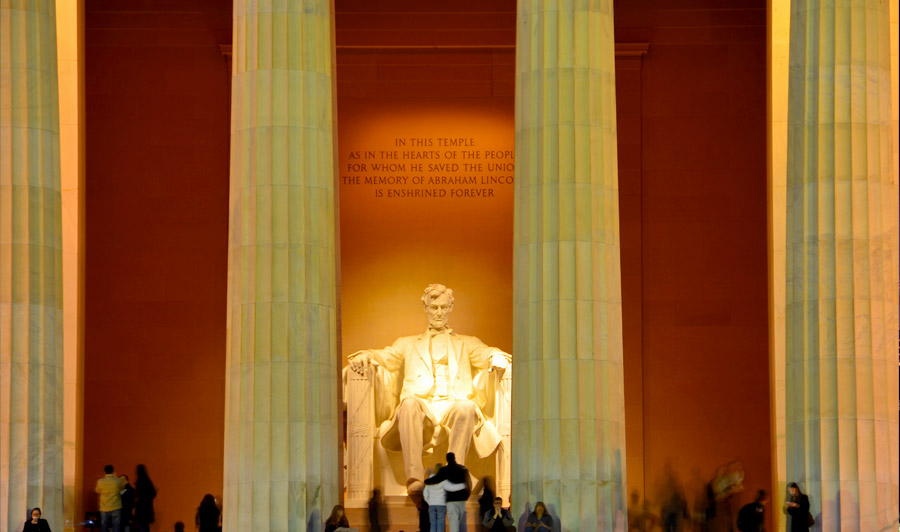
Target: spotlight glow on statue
column 438, row 399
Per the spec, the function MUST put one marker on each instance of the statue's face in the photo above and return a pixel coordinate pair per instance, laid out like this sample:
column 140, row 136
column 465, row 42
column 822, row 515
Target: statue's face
column 438, row 311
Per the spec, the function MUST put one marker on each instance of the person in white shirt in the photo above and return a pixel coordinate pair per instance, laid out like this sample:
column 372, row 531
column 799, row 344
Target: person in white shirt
column 436, row 497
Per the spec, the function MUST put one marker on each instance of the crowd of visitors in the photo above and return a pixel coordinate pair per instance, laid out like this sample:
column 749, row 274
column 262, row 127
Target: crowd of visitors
column 124, row 508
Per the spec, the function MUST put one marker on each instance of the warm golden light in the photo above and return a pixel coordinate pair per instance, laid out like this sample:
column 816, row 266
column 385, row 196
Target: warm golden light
column 779, row 41
column 394, row 243
column 70, row 61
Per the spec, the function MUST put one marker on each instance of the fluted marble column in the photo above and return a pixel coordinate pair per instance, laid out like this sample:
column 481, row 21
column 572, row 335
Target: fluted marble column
column 31, row 313
column 841, row 389
column 568, row 409
column 281, row 435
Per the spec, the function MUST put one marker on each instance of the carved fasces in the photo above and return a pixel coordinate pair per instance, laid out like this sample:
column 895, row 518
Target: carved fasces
column 360, row 404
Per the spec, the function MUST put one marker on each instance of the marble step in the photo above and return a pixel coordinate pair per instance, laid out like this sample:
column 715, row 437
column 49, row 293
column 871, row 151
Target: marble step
column 399, row 514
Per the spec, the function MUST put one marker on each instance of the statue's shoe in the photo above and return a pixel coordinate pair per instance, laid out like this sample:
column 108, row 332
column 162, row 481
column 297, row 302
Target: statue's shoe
column 415, row 487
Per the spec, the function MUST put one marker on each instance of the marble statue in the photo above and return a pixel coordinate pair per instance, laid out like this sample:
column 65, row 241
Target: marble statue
column 442, row 398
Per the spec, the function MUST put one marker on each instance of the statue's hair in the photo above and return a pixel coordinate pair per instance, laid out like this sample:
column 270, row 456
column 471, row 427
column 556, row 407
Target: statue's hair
column 434, row 291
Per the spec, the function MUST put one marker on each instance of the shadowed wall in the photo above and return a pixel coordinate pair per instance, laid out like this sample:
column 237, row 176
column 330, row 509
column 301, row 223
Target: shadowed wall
column 157, row 225
column 705, row 353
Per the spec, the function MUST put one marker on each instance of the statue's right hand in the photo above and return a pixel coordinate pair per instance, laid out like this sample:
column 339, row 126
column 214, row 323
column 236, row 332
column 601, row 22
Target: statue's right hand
column 360, row 362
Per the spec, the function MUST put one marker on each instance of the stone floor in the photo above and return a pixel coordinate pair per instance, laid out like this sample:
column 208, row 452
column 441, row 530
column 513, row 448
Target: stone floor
column 398, row 514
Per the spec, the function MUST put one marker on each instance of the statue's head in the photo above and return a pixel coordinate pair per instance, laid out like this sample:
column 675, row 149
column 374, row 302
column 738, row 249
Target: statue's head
column 438, row 302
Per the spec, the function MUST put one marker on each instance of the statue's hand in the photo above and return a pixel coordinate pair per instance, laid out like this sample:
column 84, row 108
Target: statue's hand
column 500, row 361
column 360, row 362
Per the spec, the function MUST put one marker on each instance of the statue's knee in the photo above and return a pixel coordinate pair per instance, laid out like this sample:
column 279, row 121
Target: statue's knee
column 465, row 408
column 410, row 404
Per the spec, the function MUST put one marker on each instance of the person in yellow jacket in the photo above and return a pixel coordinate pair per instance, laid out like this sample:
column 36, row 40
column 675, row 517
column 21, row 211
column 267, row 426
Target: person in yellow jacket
column 109, row 488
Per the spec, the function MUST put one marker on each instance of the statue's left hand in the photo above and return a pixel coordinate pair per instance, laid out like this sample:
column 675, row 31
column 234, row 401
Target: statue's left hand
column 500, row 361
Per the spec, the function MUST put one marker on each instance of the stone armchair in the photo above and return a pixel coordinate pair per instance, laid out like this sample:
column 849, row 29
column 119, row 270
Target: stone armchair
column 370, row 400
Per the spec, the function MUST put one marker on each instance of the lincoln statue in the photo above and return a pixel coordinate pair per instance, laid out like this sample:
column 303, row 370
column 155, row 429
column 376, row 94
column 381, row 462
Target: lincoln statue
column 438, row 399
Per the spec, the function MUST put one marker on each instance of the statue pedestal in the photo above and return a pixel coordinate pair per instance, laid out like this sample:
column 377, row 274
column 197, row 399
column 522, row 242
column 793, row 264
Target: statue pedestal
column 397, row 513
column 369, row 466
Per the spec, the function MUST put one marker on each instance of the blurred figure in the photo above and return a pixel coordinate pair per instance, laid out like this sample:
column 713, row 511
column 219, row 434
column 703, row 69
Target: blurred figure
column 640, row 519
column 127, row 496
column 486, row 501
column 674, row 515
column 179, row 526
column 375, row 508
column 109, row 489
column 337, row 519
column 34, row 523
column 797, row 508
column 539, row 520
column 498, row 518
column 752, row 517
column 144, row 493
column 728, row 481
column 424, row 519
column 207, row 518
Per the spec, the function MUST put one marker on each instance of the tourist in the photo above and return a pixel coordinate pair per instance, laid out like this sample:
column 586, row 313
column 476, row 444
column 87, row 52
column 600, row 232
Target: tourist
column 109, row 488
column 337, row 519
column 436, row 498
column 424, row 521
column 797, row 508
column 539, row 520
column 457, row 475
column 721, row 491
column 376, row 510
column 208, row 514
column 486, row 501
column 127, row 495
column 35, row 523
column 144, row 493
column 498, row 518
column 752, row 517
